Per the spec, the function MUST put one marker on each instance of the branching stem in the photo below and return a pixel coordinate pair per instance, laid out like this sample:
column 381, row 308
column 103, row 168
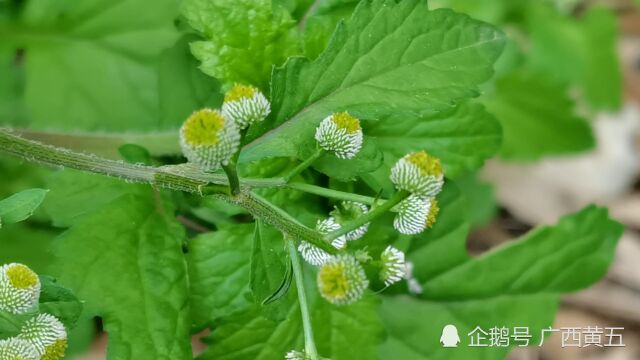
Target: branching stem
column 368, row 217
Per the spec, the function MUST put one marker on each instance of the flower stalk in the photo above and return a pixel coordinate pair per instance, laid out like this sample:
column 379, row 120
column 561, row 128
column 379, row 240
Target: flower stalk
column 309, row 343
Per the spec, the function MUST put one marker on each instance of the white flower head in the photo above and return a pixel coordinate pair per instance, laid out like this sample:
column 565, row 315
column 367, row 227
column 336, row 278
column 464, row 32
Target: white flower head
column 341, row 134
column 19, row 288
column 418, row 173
column 295, row 355
column 245, row 105
column 17, row 349
column 208, row 139
column 47, row 335
column 348, row 211
column 342, row 280
column 393, row 266
column 415, row 214
column 329, row 225
column 313, row 254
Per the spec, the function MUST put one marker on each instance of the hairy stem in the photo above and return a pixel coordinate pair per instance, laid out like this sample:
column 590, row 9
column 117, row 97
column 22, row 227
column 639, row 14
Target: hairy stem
column 309, row 343
column 368, row 217
column 304, row 165
column 172, row 177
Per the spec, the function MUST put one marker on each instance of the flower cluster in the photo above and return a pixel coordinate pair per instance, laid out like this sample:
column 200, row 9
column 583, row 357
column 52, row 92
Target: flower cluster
column 209, row 138
column 420, row 174
column 42, row 337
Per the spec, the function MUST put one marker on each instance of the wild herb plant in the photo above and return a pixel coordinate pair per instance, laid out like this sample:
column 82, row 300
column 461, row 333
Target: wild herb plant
column 317, row 214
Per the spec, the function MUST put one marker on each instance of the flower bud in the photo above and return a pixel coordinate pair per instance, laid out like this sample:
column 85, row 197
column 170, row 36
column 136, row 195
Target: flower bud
column 329, row 225
column 17, row 349
column 19, row 288
column 342, row 280
column 349, row 211
column 340, row 134
column 415, row 214
column 208, row 139
column 47, row 335
column 418, row 173
column 393, row 266
column 245, row 105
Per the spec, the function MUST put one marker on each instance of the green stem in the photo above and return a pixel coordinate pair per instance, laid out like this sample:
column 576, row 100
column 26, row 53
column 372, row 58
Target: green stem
column 169, row 177
column 309, row 343
column 304, row 165
column 368, row 217
column 333, row 194
column 232, row 174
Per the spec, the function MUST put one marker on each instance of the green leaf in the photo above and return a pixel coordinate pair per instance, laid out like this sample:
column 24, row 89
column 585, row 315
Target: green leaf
column 578, row 51
column 125, row 261
column 183, row 87
column 59, row 301
column 271, row 273
column 537, row 118
column 244, row 39
column 544, row 261
column 219, row 273
column 20, row 206
column 480, row 199
column 461, row 138
column 517, row 284
column 135, row 154
column 92, row 65
column 415, row 326
column 444, row 57
column 342, row 333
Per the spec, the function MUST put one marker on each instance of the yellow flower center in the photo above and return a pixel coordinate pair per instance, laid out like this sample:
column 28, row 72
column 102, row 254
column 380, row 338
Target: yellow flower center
column 22, row 277
column 202, row 127
column 345, row 121
column 55, row 351
column 427, row 164
column 433, row 213
column 334, row 283
column 239, row 91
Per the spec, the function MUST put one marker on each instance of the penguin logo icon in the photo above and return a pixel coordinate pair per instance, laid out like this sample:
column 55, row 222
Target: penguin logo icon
column 450, row 336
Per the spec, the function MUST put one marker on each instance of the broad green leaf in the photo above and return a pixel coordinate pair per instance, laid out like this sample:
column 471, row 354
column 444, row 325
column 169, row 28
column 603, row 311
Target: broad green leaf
column 75, row 194
column 544, row 261
column 461, row 138
column 341, row 333
column 297, row 8
column 183, row 87
column 517, row 284
column 91, row 65
column 26, row 244
column 125, row 261
column 20, row 206
column 243, row 39
column 219, row 273
column 11, row 87
column 480, row 198
column 444, row 57
column 537, row 118
column 415, row 327
column 578, row 51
